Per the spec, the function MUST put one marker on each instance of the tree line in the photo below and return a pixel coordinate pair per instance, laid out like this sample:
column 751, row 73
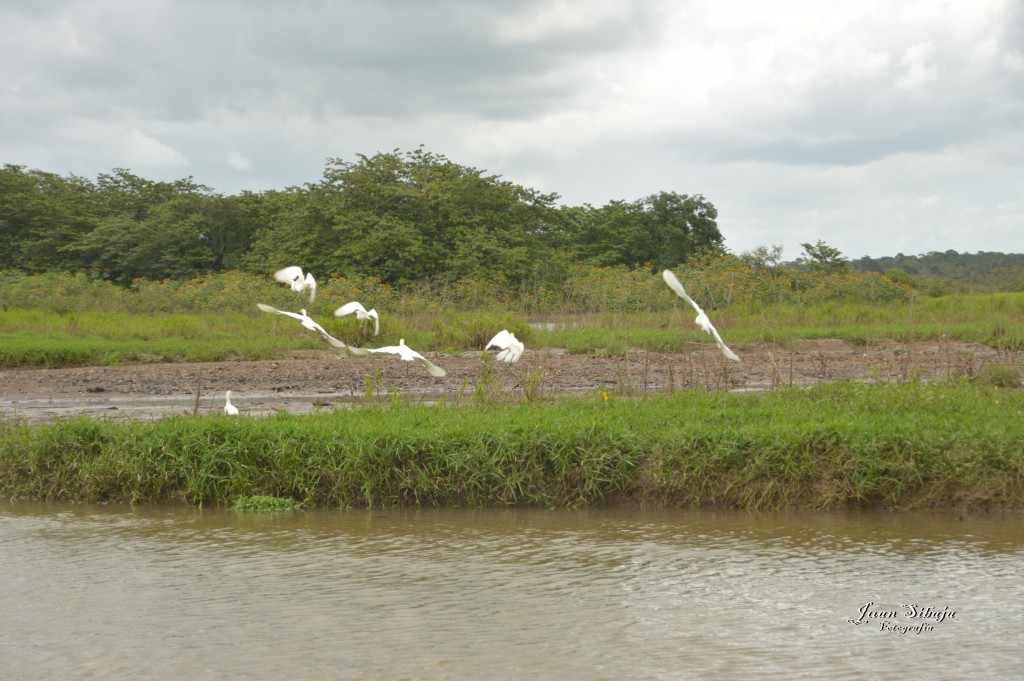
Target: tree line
column 403, row 216
column 941, row 272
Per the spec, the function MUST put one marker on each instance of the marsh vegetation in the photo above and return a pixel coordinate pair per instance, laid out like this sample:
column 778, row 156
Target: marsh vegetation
column 896, row 442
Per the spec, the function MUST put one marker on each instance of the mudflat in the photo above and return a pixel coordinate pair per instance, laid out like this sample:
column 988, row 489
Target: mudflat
column 323, row 379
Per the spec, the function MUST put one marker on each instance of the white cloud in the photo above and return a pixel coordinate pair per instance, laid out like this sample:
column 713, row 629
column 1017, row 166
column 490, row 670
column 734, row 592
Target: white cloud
column 142, row 150
column 238, row 161
column 1014, row 61
column 917, row 69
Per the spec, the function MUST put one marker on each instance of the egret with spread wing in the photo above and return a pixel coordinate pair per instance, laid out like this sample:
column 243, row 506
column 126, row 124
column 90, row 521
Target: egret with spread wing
column 405, row 353
column 293, row 277
column 702, row 317
column 306, row 322
column 510, row 348
column 361, row 314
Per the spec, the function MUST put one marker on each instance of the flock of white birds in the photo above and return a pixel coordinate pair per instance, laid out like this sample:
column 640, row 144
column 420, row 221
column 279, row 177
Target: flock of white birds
column 509, row 348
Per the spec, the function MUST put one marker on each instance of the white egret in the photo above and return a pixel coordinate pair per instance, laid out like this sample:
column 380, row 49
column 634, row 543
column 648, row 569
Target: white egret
column 702, row 317
column 361, row 314
column 293, row 277
column 510, row 347
column 229, row 409
column 405, row 353
column 306, row 322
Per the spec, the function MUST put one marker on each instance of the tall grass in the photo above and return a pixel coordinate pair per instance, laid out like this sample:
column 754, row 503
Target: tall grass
column 836, row 446
column 67, row 319
column 585, row 289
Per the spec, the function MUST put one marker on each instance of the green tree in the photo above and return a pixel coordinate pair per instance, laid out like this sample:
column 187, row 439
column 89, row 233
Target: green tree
column 820, row 257
column 122, row 193
column 178, row 230
column 764, row 259
column 287, row 228
column 663, row 230
column 605, row 236
column 42, row 215
column 417, row 215
column 676, row 227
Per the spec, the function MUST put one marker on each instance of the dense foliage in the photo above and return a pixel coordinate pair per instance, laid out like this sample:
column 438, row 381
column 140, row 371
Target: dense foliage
column 403, row 217
column 417, row 221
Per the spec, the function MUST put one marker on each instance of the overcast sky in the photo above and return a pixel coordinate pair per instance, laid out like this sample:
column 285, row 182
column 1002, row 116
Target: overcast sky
column 878, row 126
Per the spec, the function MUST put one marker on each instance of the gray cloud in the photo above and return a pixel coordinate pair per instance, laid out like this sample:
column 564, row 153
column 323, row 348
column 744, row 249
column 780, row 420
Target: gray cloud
column 789, row 128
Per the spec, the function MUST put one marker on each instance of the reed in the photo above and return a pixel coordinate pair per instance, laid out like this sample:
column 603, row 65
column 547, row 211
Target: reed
column 840, row 445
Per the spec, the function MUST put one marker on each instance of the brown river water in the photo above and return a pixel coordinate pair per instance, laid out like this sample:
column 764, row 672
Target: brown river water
column 102, row 592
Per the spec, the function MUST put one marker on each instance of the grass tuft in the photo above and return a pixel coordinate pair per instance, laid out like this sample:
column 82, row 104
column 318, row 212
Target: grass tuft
column 999, row 376
column 263, row 503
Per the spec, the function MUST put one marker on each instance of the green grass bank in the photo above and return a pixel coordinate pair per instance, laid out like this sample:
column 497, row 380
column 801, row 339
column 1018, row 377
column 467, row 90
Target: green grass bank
column 840, row 445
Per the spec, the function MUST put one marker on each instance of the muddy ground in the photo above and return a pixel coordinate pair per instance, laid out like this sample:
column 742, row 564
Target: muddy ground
column 323, row 379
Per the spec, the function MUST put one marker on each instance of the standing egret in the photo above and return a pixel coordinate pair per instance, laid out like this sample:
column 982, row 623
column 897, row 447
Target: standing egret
column 306, row 322
column 702, row 317
column 229, row 409
column 293, row 277
column 361, row 314
column 511, row 348
column 404, row 353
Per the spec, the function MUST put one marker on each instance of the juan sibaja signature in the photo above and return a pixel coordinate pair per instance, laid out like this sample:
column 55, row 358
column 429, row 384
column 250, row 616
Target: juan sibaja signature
column 899, row 621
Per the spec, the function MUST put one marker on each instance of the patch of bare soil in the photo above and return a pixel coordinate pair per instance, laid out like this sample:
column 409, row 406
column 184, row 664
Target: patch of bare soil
column 327, row 378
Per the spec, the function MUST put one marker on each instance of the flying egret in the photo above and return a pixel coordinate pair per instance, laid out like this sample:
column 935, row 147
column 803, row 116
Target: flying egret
column 361, row 314
column 306, row 322
column 404, row 353
column 511, row 348
column 229, row 409
column 702, row 317
column 293, row 277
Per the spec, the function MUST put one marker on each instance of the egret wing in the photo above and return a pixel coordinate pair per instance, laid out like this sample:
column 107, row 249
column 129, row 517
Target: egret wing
column 288, row 275
column 516, row 350
column 500, row 340
column 434, row 370
column 331, row 339
column 388, row 350
column 267, row 308
column 722, row 346
column 349, row 308
column 674, row 284
column 511, row 347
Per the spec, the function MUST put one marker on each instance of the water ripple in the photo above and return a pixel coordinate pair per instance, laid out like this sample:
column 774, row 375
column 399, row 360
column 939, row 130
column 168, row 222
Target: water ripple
column 105, row 593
